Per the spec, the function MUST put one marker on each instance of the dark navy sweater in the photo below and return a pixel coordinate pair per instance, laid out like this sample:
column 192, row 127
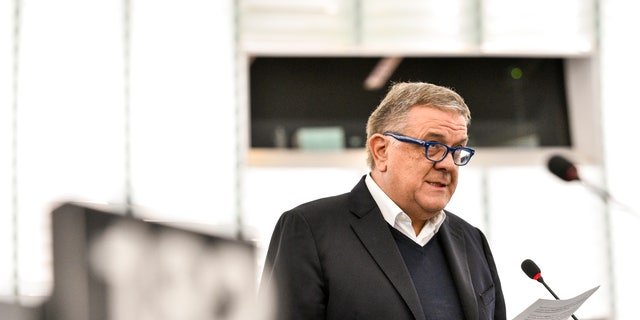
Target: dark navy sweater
column 431, row 276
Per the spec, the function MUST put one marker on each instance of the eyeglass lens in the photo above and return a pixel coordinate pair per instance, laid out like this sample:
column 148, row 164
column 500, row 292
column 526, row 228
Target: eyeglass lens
column 437, row 152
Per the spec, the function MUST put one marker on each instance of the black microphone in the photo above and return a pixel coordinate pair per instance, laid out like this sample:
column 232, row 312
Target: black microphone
column 563, row 168
column 531, row 269
column 567, row 171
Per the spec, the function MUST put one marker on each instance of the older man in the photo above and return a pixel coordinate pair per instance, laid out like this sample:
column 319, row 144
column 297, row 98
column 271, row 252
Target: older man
column 388, row 249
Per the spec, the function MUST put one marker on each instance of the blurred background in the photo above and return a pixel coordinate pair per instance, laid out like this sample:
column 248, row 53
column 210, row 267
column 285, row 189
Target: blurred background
column 220, row 115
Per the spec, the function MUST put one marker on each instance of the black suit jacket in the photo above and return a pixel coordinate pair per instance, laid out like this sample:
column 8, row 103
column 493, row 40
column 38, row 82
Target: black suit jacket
column 335, row 258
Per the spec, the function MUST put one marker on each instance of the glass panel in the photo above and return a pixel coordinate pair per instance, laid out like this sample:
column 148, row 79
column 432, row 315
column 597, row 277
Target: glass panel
column 514, row 101
column 538, row 26
column 295, row 23
column 419, row 25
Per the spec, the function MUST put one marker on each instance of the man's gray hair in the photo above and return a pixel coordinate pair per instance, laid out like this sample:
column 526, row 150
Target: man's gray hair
column 391, row 113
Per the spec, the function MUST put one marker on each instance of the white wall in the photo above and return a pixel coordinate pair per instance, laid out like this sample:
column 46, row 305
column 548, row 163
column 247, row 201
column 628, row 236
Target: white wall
column 620, row 113
column 161, row 133
column 6, row 141
column 186, row 158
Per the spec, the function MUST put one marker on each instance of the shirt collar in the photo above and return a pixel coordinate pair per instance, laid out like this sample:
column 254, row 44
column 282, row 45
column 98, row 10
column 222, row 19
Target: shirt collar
column 389, row 209
column 398, row 219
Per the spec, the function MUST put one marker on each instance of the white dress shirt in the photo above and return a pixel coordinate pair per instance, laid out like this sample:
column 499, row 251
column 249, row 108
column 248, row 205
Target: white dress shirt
column 400, row 220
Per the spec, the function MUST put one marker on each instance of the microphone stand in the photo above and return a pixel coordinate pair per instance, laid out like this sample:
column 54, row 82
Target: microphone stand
column 608, row 198
column 553, row 294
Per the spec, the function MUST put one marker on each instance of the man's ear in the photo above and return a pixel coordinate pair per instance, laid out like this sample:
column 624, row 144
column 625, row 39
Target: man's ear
column 379, row 146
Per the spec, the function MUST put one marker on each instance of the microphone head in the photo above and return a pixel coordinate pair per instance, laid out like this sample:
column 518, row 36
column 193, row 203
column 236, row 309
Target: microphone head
column 563, row 168
column 531, row 269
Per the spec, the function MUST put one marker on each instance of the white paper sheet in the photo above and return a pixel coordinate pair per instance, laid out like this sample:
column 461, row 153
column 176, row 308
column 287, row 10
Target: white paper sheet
column 561, row 309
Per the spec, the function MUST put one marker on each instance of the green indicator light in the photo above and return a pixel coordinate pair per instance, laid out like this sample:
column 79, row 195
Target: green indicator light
column 516, row 73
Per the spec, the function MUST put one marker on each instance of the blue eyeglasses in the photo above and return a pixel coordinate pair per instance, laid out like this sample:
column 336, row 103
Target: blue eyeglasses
column 436, row 151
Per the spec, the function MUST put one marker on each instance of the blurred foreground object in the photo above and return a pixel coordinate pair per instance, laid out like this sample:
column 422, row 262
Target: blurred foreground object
column 108, row 266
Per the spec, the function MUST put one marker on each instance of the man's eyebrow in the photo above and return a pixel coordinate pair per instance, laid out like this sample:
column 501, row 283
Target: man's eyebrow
column 440, row 137
column 434, row 136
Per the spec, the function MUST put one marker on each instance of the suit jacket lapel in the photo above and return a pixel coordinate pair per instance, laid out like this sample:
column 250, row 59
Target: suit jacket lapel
column 453, row 244
column 374, row 233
